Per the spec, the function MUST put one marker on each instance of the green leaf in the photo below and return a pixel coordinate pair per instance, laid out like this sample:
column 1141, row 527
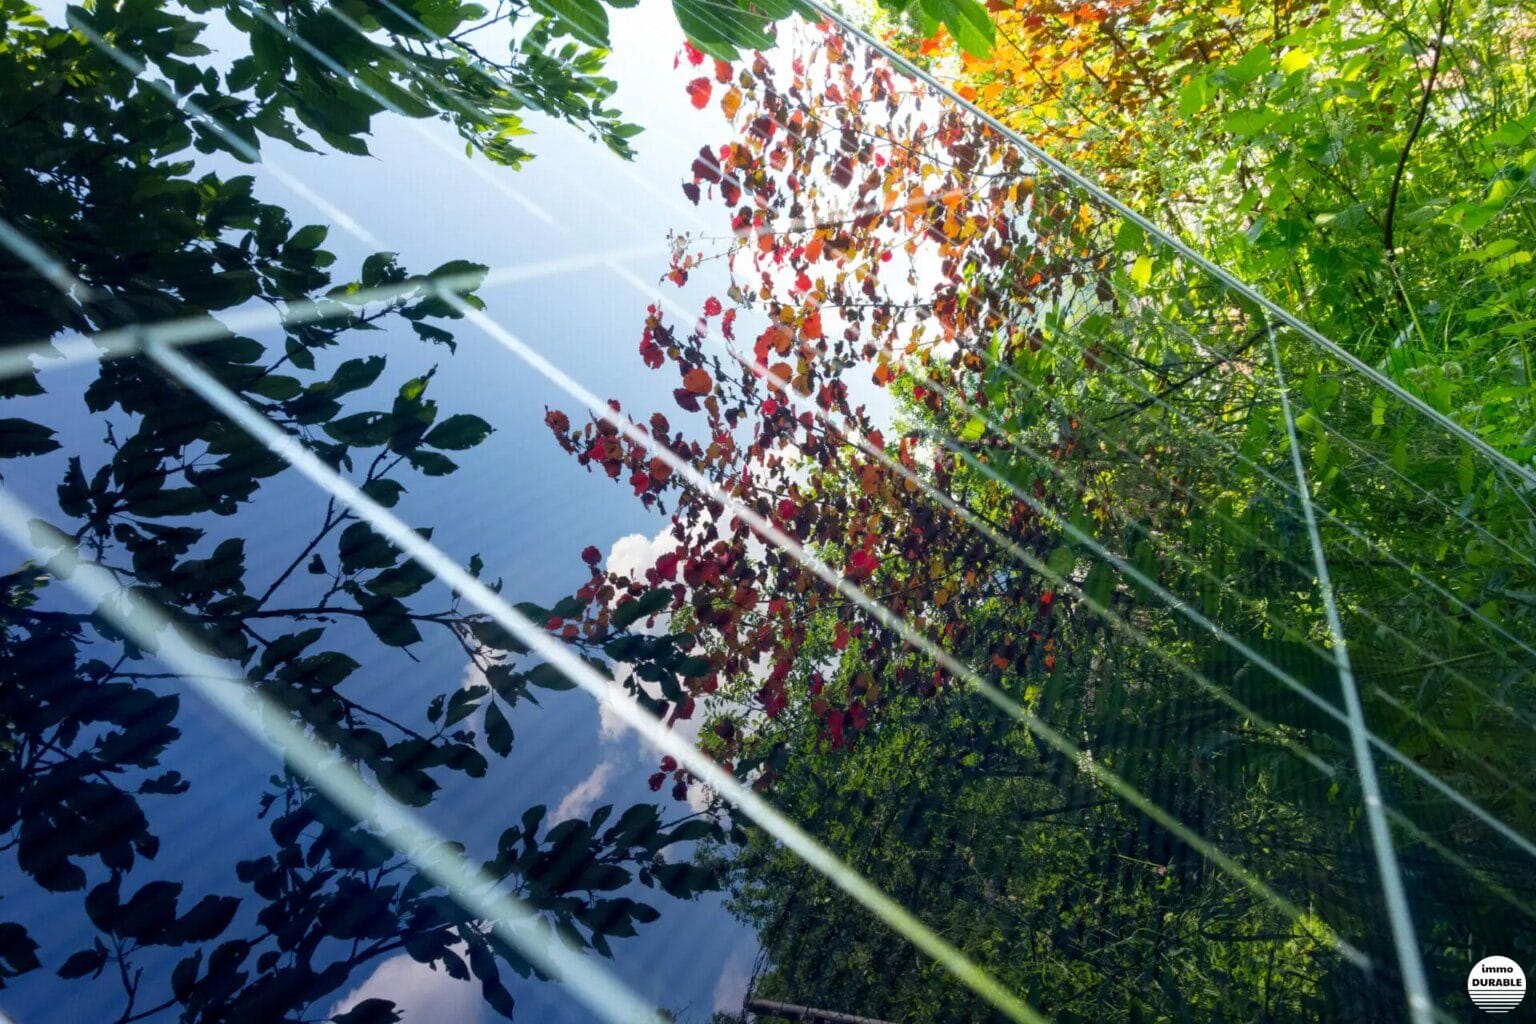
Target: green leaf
column 431, row 463
column 1254, row 63
column 549, row 677
column 1099, row 587
column 401, row 581
column 498, row 731
column 1194, row 96
column 87, row 961
column 458, row 432
column 308, row 237
column 362, row 548
column 464, row 702
column 1130, row 237
column 644, row 606
column 385, row 492
column 722, row 29
column 23, row 437
column 583, row 20
column 356, row 374
column 1144, row 561
column 389, row 621
column 364, row 429
column 971, row 25
column 369, row 1011
column 1245, row 124
column 496, row 636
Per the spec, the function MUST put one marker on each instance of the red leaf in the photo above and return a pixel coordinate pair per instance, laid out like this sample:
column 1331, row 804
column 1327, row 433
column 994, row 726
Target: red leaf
column 651, row 354
column 699, row 90
column 862, row 564
column 712, row 306
column 706, row 166
column 694, row 56
column 591, row 555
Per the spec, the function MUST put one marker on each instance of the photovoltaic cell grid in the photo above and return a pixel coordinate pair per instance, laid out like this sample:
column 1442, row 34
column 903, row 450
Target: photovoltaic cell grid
column 1316, row 510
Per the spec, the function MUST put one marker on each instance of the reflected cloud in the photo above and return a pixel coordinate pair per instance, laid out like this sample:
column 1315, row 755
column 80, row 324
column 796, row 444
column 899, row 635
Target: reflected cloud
column 421, row 993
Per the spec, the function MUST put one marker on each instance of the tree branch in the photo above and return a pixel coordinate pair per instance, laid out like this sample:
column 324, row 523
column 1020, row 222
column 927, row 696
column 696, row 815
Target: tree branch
column 1413, row 135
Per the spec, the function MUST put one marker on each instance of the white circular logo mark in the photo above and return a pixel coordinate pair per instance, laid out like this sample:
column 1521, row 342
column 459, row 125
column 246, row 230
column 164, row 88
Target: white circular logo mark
column 1496, row 984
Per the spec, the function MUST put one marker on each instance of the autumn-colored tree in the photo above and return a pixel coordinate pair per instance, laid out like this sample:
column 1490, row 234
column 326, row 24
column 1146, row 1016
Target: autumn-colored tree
column 1367, row 166
column 1091, row 457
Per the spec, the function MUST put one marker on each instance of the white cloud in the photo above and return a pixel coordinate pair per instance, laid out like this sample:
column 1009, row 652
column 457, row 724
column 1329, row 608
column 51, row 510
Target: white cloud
column 421, row 994
column 634, row 553
column 609, row 725
column 735, row 976
column 471, row 678
column 584, row 796
column 630, row 556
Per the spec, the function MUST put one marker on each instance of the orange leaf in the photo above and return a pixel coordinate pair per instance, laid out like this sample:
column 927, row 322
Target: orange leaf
column 731, row 102
column 810, row 327
column 698, row 381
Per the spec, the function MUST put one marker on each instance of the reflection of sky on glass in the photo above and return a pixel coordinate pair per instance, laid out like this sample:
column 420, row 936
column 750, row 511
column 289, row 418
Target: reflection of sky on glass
column 518, row 501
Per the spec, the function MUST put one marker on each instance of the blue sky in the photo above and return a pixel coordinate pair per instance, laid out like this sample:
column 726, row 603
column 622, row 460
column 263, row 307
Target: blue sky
column 518, row 501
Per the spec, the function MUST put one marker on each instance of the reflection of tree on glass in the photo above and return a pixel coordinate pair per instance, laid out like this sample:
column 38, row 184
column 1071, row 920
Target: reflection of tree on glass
column 97, row 172
column 1087, row 505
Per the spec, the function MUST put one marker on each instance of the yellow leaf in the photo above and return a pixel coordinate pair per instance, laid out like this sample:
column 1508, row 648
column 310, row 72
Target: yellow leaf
column 731, row 102
column 1141, row 272
column 1295, row 59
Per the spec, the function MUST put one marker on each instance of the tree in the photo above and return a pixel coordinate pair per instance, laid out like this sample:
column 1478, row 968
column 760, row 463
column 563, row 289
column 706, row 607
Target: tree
column 97, row 172
column 1363, row 165
column 1089, row 504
